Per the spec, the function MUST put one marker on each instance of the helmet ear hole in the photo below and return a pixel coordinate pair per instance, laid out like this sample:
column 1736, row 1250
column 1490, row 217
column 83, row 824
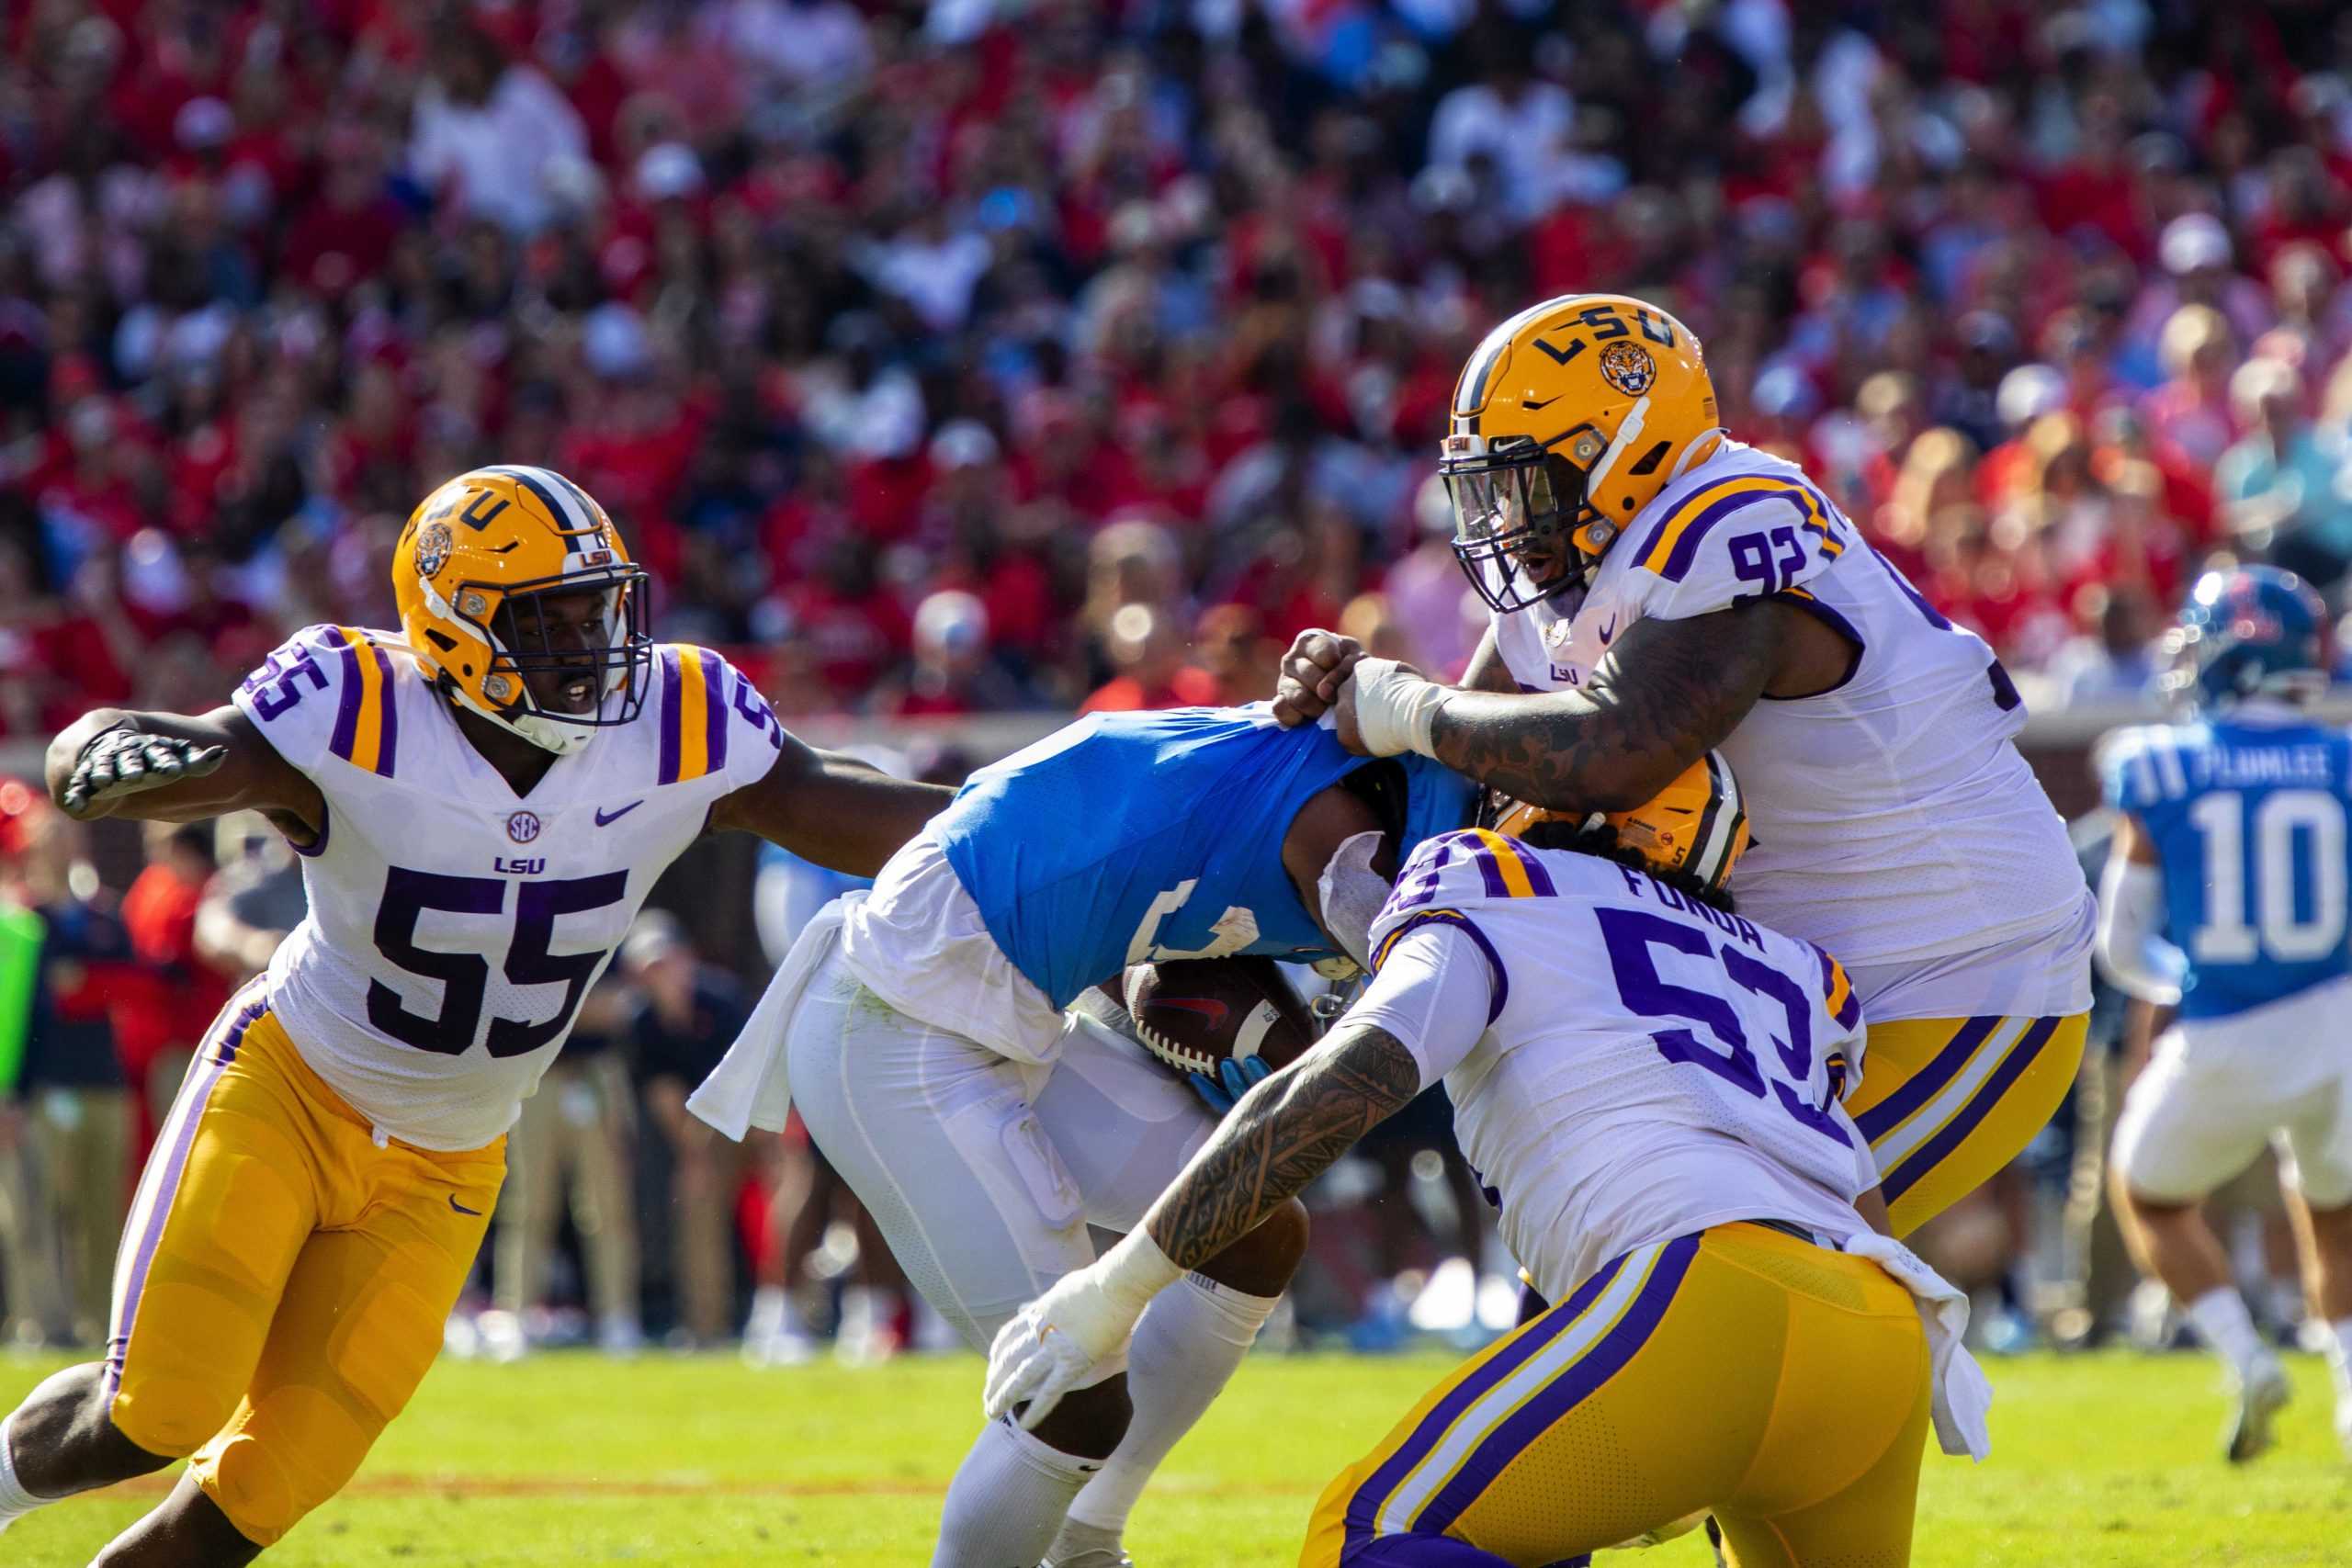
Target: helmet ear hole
column 1650, row 460
column 441, row 640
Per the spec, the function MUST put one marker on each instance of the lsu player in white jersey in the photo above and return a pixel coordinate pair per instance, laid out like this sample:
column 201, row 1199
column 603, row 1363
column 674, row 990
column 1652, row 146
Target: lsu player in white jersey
column 1659, row 589
column 1649, row 1083
column 482, row 799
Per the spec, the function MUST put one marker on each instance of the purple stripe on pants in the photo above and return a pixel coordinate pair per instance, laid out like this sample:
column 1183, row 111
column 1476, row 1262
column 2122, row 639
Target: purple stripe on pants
column 1564, row 1394
column 167, row 1165
column 1925, row 1157
column 1365, row 1506
column 1928, row 1081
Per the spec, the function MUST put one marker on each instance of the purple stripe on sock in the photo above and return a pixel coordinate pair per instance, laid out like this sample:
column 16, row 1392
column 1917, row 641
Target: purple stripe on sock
column 169, row 1163
column 346, row 713
column 1925, row 1158
column 1555, row 1399
column 714, row 716
column 673, row 721
column 1921, row 1087
column 389, row 733
column 1365, row 1506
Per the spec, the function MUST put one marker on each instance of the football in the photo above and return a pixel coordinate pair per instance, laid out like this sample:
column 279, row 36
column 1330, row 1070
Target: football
column 1192, row 1013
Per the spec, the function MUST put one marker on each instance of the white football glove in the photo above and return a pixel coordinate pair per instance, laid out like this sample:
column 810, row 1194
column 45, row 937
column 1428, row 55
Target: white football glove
column 1055, row 1342
column 1396, row 707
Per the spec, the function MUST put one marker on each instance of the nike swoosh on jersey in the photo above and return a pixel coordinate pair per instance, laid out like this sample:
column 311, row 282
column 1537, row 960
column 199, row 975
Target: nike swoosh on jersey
column 1608, row 631
column 604, row 820
column 461, row 1208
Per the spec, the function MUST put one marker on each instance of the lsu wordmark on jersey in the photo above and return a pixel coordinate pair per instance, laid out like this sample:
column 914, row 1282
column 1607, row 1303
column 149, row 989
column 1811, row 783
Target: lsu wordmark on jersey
column 483, row 802
column 348, row 1112
column 1896, row 822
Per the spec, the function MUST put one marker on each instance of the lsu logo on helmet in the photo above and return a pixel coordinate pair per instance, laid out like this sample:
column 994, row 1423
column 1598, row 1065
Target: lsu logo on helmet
column 1628, row 368
column 484, row 546
column 433, row 547
column 1568, row 419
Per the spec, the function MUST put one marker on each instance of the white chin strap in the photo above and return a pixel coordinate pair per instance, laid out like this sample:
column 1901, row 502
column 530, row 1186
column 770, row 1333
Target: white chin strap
column 1629, row 430
column 543, row 730
column 548, row 732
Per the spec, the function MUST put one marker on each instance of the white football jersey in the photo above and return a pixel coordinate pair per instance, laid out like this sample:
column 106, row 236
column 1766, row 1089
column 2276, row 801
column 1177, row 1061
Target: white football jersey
column 1646, row 1067
column 1894, row 821
column 454, row 926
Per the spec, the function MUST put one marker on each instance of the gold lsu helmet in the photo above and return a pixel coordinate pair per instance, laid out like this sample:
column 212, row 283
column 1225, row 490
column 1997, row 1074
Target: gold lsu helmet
column 1692, row 831
column 1567, row 420
column 493, row 538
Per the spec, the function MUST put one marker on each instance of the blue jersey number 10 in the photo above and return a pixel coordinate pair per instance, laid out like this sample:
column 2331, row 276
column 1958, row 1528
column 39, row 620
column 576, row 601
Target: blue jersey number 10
column 2289, row 826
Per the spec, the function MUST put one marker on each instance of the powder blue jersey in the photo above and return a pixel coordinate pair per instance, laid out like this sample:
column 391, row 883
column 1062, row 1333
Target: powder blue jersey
column 1129, row 837
column 2248, row 823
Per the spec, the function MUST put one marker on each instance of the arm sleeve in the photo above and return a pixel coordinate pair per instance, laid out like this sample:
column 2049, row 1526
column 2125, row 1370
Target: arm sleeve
column 1436, row 992
column 2130, row 951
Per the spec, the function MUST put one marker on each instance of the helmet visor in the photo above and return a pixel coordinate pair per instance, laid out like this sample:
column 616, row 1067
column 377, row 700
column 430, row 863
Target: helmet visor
column 1514, row 512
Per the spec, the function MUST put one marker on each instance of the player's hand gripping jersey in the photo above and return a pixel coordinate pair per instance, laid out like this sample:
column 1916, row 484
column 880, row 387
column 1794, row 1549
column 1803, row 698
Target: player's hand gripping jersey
column 453, row 925
column 1894, row 820
column 1129, row 837
column 2248, row 816
column 1630, row 1028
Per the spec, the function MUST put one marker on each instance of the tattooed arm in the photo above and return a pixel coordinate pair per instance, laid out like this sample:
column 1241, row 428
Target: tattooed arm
column 1434, row 989
column 1668, row 692
column 1281, row 1135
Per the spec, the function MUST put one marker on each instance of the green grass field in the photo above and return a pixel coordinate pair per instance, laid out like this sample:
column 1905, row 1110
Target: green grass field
column 2099, row 1461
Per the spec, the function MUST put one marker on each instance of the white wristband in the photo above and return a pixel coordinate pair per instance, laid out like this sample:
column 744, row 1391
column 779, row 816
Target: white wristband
column 1133, row 1272
column 1396, row 710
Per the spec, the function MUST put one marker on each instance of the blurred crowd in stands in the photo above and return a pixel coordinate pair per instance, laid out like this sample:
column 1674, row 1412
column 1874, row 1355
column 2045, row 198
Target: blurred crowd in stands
column 977, row 354
column 980, row 356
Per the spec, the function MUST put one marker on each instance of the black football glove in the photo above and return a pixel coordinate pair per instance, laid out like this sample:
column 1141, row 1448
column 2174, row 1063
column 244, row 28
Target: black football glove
column 125, row 761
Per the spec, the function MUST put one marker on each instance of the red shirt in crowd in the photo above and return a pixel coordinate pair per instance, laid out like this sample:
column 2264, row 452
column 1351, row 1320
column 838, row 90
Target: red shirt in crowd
column 1187, row 687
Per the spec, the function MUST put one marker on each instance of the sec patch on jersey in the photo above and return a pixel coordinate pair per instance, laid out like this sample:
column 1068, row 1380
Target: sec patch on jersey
column 1193, row 1013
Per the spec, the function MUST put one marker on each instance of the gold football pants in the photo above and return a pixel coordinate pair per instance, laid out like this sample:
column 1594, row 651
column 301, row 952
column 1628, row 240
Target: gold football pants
column 1947, row 1102
column 283, row 1280
column 1741, row 1370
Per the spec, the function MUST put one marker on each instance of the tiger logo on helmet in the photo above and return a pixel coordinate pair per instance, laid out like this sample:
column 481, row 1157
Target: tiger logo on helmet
column 1691, row 834
column 484, row 546
column 1567, row 420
